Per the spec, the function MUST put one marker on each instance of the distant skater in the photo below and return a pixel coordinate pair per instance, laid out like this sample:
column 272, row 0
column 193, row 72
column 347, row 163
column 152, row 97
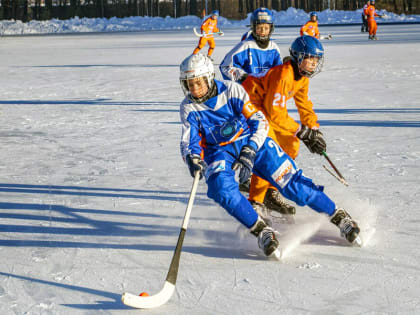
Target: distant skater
column 208, row 27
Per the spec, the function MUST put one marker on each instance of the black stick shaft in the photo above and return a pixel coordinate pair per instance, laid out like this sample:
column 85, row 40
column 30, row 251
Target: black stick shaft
column 332, row 165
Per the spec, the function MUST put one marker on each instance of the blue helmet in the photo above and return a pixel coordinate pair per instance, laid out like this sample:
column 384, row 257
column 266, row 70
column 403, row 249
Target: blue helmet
column 262, row 16
column 215, row 12
column 313, row 14
column 306, row 47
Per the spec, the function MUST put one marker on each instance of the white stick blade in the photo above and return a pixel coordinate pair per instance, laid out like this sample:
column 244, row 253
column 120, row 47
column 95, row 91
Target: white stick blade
column 149, row 301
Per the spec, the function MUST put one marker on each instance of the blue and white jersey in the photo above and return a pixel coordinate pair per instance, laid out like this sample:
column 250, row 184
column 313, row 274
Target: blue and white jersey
column 221, row 120
column 248, row 58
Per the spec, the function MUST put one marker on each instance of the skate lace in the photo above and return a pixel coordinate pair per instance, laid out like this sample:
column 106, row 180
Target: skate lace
column 266, row 237
column 346, row 225
column 275, row 196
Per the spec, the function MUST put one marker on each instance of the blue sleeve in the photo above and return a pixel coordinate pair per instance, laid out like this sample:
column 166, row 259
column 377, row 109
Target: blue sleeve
column 190, row 139
column 277, row 60
column 233, row 65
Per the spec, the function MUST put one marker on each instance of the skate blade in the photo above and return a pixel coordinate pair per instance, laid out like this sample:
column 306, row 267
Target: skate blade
column 366, row 236
column 358, row 242
column 276, row 254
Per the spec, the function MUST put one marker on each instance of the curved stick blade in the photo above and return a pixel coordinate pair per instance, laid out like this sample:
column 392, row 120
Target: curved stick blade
column 149, row 301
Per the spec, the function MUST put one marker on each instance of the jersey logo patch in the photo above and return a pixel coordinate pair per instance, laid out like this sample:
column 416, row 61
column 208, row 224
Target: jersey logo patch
column 284, row 173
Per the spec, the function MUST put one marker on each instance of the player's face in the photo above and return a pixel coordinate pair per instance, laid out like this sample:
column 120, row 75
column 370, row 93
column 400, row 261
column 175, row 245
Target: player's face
column 313, row 18
column 214, row 17
column 309, row 64
column 198, row 87
column 263, row 29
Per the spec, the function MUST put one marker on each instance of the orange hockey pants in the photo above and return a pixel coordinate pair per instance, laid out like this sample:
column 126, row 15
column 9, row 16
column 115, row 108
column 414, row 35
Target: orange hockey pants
column 372, row 27
column 202, row 43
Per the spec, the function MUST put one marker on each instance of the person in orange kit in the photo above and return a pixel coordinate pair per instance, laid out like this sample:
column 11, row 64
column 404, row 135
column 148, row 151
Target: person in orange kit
column 208, row 27
column 311, row 27
column 370, row 12
column 271, row 91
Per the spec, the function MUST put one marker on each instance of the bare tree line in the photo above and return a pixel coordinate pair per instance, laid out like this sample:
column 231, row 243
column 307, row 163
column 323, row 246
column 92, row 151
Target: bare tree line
column 26, row 10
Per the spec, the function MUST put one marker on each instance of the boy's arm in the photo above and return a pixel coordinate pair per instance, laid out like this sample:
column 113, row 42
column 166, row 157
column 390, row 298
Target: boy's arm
column 231, row 66
column 191, row 138
column 204, row 26
column 258, row 124
column 305, row 108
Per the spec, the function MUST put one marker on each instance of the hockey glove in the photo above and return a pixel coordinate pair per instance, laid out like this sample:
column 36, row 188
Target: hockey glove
column 196, row 164
column 245, row 163
column 313, row 139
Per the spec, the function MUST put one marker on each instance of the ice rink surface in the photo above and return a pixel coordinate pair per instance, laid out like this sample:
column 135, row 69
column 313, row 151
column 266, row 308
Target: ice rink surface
column 93, row 188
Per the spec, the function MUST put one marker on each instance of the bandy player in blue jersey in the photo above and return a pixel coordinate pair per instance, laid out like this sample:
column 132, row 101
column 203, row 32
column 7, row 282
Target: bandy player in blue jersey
column 256, row 52
column 222, row 132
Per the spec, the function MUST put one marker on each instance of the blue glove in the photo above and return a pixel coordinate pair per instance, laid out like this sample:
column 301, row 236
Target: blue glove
column 195, row 163
column 245, row 163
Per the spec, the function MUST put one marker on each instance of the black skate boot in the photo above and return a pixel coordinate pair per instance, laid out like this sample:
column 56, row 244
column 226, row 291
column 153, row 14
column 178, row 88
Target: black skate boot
column 262, row 211
column 273, row 200
column 267, row 240
column 348, row 227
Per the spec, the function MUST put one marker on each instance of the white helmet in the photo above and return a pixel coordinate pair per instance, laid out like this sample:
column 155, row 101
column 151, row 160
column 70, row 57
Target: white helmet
column 196, row 66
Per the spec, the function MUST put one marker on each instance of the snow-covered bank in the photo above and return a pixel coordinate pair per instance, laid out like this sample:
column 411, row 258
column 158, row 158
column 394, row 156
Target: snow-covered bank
column 138, row 23
column 93, row 188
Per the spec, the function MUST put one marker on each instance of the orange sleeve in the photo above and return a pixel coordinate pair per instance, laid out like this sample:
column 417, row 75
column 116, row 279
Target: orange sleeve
column 216, row 29
column 303, row 29
column 316, row 31
column 305, row 106
column 255, row 90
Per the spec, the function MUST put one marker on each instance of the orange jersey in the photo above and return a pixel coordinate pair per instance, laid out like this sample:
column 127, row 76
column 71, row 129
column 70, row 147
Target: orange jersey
column 209, row 27
column 310, row 28
column 270, row 92
column 370, row 12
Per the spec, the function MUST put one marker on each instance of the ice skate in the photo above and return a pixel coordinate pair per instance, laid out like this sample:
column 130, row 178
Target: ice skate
column 274, row 201
column 374, row 37
column 348, row 227
column 267, row 239
column 371, row 37
column 212, row 60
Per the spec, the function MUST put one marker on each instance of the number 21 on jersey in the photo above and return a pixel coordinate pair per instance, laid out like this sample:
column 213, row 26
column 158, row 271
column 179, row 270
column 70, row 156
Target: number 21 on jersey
column 279, row 100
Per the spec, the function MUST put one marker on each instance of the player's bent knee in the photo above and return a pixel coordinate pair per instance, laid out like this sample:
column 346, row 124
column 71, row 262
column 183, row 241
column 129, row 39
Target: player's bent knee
column 303, row 191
